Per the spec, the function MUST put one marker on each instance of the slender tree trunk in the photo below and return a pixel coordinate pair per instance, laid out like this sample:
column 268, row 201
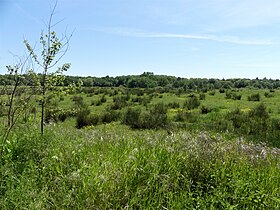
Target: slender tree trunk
column 43, row 100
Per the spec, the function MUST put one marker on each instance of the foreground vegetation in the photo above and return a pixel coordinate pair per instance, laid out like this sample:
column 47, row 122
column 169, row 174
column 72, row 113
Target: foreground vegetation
column 111, row 166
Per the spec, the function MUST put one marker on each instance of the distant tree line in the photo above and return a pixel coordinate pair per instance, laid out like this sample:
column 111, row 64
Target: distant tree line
column 150, row 80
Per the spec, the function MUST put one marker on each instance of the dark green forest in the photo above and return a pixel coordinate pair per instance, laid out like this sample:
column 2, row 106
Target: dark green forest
column 150, row 80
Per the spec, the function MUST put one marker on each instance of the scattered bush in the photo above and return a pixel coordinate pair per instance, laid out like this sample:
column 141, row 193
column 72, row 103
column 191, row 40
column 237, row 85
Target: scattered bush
column 84, row 118
column 233, row 95
column 228, row 94
column 56, row 114
column 238, row 118
column 153, row 118
column 131, row 117
column 78, row 101
column 258, row 117
column 186, row 116
column 156, row 116
column 192, row 103
column 205, row 110
column 236, row 97
column 275, row 124
column 202, row 96
column 109, row 116
column 103, row 99
column 212, row 92
column 119, row 102
column 173, row 105
column 144, row 100
column 268, row 95
column 254, row 97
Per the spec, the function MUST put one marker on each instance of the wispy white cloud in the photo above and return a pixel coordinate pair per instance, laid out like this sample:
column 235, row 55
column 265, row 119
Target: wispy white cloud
column 217, row 15
column 206, row 37
column 29, row 15
column 225, row 39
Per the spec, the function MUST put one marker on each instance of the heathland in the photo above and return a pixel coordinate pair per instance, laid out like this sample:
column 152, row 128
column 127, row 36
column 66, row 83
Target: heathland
column 143, row 144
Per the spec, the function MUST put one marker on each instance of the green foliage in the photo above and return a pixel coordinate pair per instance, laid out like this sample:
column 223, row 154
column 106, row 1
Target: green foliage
column 110, row 115
column 192, row 102
column 57, row 114
column 132, row 118
column 254, row 97
column 141, row 100
column 173, row 105
column 186, row 116
column 156, row 117
column 119, row 102
column 212, row 92
column 268, row 95
column 153, row 118
column 238, row 118
column 78, row 101
column 258, row 120
column 202, row 96
column 84, row 118
column 232, row 95
column 205, row 110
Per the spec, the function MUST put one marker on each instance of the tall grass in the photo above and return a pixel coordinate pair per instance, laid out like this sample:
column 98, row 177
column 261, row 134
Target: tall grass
column 113, row 167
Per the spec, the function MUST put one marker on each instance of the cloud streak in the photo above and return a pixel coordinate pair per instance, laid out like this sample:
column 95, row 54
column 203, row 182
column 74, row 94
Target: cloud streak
column 31, row 17
column 205, row 37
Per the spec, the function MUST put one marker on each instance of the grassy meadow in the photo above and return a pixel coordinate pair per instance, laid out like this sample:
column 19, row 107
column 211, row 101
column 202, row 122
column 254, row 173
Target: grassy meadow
column 121, row 148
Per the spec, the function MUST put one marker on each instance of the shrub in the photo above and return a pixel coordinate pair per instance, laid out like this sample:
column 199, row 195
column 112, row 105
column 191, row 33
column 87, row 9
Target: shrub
column 192, row 103
column 202, row 96
column 78, row 101
column 259, row 111
column 258, row 120
column 236, row 96
column 62, row 116
column 153, row 118
column 119, row 102
column 131, row 117
column 205, row 110
column 233, row 95
column 254, row 97
column 186, row 116
column 84, row 118
column 180, row 116
column 268, row 95
column 103, row 99
column 157, row 116
column 142, row 100
column 228, row 94
column 237, row 117
column 173, row 105
column 275, row 124
column 212, row 92
column 110, row 116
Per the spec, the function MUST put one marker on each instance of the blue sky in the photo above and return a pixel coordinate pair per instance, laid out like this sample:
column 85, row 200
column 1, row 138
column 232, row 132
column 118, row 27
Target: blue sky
column 186, row 38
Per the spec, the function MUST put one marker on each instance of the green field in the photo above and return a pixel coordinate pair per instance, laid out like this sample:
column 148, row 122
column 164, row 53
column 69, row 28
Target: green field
column 145, row 149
